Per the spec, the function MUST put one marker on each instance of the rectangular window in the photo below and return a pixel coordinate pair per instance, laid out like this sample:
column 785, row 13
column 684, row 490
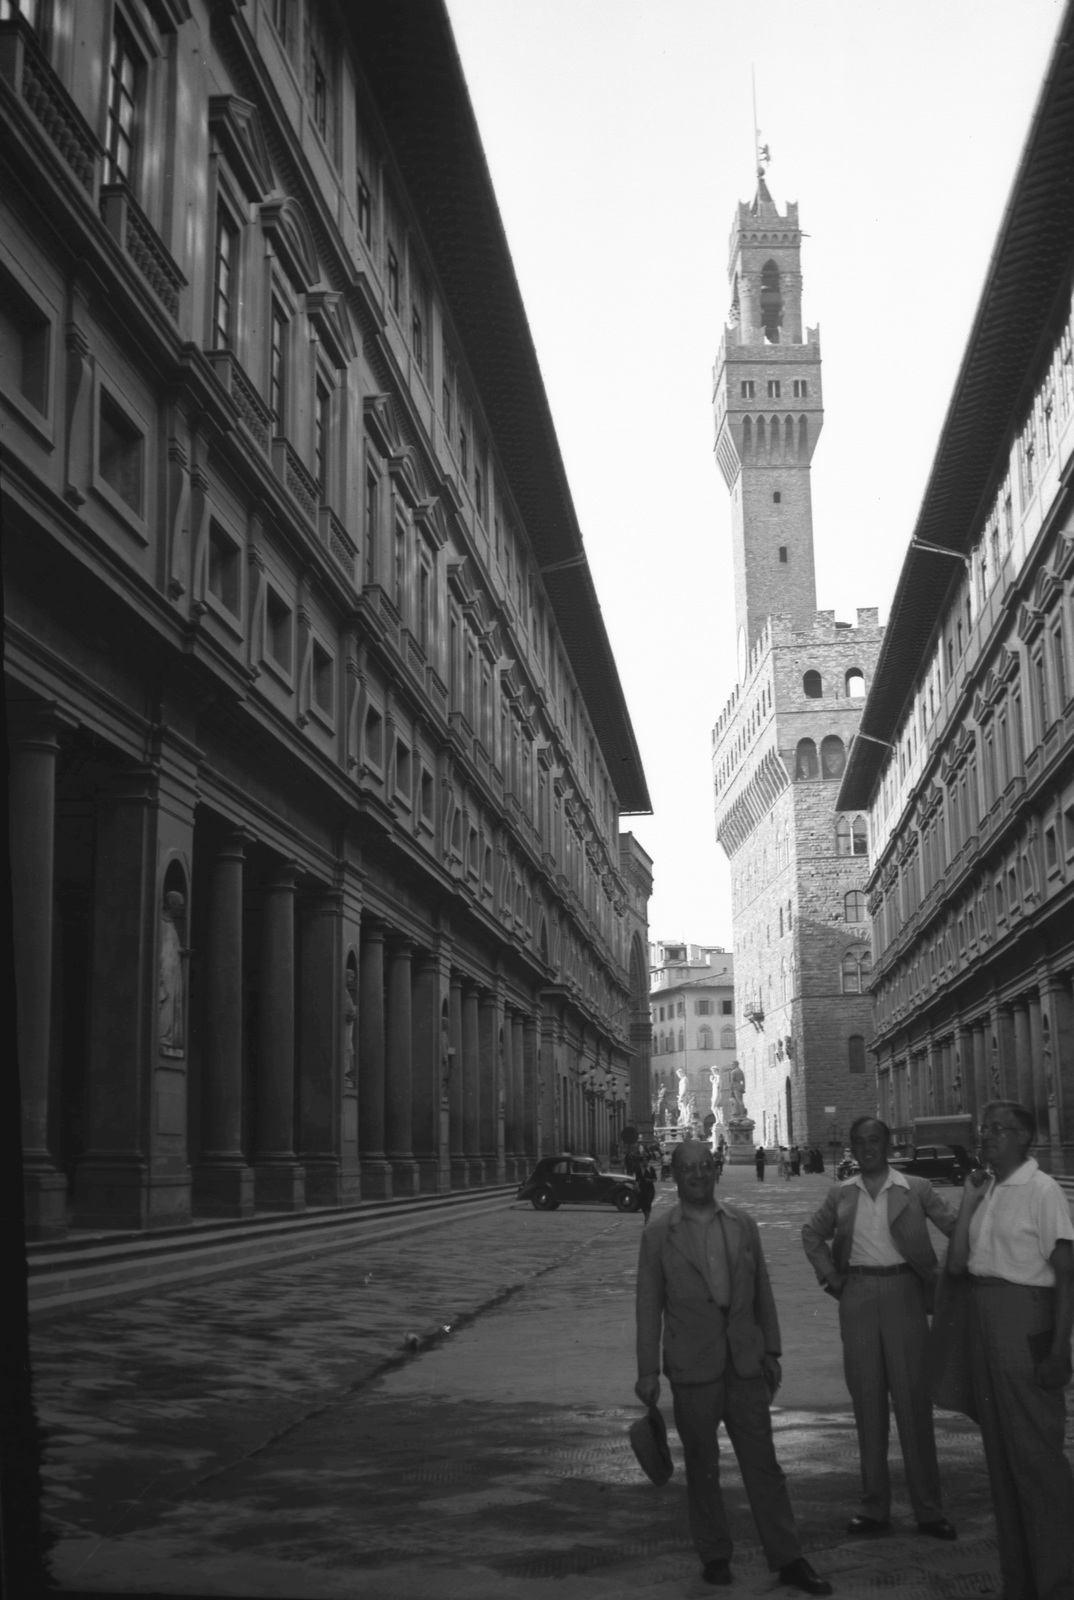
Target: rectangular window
column 365, row 210
column 783, row 554
column 417, row 339
column 227, row 235
column 319, row 93
column 801, row 388
column 1040, row 683
column 321, row 418
column 323, row 681
column 399, row 574
column 1059, row 667
column 25, row 337
column 278, row 630
column 278, row 368
column 445, row 407
column 120, row 453
column 224, row 570
column 746, row 388
column 424, row 605
column 773, row 388
column 393, row 280
column 124, row 74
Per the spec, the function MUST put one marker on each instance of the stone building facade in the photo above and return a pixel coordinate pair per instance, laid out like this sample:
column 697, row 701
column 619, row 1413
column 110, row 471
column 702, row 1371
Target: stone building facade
column 692, row 1013
column 318, row 748
column 798, row 865
column 967, row 770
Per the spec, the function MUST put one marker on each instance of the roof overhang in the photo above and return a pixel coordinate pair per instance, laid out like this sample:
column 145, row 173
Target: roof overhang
column 1025, row 296
column 407, row 53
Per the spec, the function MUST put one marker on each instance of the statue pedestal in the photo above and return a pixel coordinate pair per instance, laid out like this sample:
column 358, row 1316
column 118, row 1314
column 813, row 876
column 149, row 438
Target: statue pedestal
column 740, row 1146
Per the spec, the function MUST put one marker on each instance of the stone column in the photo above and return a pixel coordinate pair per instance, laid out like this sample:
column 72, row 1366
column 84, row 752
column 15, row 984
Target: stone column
column 1022, row 1052
column 471, row 1063
column 398, row 1108
column 223, row 1182
column 429, row 1060
column 532, row 1065
column 981, row 1090
column 320, row 1032
column 34, row 748
column 1004, row 1066
column 519, row 1093
column 507, row 1096
column 112, row 1180
column 376, row 1171
column 456, row 1086
column 1039, row 1088
column 279, row 1180
column 490, row 1120
column 1057, row 1008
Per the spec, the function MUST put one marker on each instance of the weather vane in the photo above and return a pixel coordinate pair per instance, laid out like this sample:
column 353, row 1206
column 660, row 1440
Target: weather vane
column 761, row 151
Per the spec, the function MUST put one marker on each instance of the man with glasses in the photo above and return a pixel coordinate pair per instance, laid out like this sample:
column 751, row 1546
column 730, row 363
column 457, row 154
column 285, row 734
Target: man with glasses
column 869, row 1245
column 702, row 1276
column 1014, row 1236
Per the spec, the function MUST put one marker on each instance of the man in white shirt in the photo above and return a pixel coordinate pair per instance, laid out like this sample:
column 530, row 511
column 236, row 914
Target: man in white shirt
column 1015, row 1237
column 881, row 1266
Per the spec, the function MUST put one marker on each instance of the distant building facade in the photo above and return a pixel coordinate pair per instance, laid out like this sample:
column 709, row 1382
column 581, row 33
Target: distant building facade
column 967, row 765
column 692, row 1014
column 798, row 865
column 318, row 748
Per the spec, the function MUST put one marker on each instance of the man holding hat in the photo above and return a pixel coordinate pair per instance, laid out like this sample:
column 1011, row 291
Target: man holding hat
column 702, row 1279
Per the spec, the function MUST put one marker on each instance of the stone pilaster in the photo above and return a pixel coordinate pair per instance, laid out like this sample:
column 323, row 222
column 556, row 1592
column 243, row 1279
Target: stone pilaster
column 33, row 752
column 320, row 1063
column 376, row 1172
column 430, row 1037
column 223, row 1182
column 459, row 1171
column 398, row 1105
column 471, row 1060
column 279, row 1179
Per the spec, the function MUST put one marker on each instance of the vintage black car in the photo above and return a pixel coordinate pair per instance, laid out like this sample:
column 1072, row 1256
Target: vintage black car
column 939, row 1163
column 577, row 1180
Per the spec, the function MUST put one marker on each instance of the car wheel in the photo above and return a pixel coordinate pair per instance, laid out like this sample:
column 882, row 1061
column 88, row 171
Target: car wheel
column 544, row 1200
column 627, row 1200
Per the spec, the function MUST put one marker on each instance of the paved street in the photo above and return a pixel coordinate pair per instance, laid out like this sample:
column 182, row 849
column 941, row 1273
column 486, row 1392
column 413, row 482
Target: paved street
column 444, row 1413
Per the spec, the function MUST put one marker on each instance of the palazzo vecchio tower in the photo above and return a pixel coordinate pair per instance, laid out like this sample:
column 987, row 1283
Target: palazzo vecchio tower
column 798, row 867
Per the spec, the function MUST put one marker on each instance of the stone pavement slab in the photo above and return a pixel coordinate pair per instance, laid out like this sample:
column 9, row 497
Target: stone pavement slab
column 277, row 1435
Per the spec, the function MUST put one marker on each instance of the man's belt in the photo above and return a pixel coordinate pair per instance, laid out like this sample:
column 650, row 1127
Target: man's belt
column 881, row 1272
column 980, row 1281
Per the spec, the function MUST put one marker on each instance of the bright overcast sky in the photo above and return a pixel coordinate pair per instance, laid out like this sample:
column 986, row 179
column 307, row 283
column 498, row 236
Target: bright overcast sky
column 619, row 135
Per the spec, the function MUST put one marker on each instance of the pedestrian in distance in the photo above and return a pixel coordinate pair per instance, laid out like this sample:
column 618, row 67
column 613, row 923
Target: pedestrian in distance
column 1015, row 1239
column 758, row 1162
column 646, row 1188
column 703, row 1282
column 869, row 1245
column 796, row 1162
column 718, row 1160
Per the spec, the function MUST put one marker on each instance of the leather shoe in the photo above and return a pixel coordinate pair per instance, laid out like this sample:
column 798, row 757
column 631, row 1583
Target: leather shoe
column 800, row 1575
column 716, row 1571
column 868, row 1525
column 940, row 1529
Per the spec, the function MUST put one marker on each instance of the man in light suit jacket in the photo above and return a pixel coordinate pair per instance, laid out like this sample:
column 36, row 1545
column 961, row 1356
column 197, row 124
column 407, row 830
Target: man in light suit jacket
column 702, row 1278
column 881, row 1266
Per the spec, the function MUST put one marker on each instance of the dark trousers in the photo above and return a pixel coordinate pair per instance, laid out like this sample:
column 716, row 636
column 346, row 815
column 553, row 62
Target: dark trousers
column 885, row 1339
column 741, row 1404
column 1022, row 1429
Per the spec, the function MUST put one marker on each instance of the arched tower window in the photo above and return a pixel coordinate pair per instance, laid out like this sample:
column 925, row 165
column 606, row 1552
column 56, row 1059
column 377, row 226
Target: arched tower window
column 761, row 447
column 788, row 437
column 747, row 436
column 855, row 684
column 842, row 837
column 832, row 756
column 860, row 836
column 704, row 1038
column 805, row 764
column 854, row 905
column 803, row 439
column 812, row 687
column 857, row 965
column 771, row 301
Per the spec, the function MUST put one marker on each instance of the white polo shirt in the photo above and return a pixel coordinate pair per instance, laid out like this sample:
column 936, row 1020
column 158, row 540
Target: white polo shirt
column 873, row 1245
column 1017, row 1226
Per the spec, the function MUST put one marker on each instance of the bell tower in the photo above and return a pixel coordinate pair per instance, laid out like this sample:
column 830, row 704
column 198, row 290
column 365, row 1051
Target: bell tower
column 768, row 414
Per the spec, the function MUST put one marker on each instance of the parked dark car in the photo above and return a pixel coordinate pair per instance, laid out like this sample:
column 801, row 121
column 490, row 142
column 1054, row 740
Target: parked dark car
column 847, row 1168
column 577, row 1180
column 939, row 1163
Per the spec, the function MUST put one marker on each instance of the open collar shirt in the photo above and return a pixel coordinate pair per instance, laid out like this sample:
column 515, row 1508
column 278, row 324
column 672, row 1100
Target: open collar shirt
column 707, row 1244
column 873, row 1245
column 1017, row 1226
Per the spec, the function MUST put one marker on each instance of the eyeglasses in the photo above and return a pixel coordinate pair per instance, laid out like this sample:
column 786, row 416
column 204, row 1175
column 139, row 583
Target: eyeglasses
column 999, row 1127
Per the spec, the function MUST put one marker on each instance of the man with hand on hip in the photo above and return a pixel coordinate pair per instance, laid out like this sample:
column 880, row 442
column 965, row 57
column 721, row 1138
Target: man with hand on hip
column 702, row 1278
column 881, row 1266
column 1015, row 1237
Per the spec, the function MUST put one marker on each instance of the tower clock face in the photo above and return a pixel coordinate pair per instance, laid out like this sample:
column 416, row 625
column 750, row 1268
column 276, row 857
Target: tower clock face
column 741, row 655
